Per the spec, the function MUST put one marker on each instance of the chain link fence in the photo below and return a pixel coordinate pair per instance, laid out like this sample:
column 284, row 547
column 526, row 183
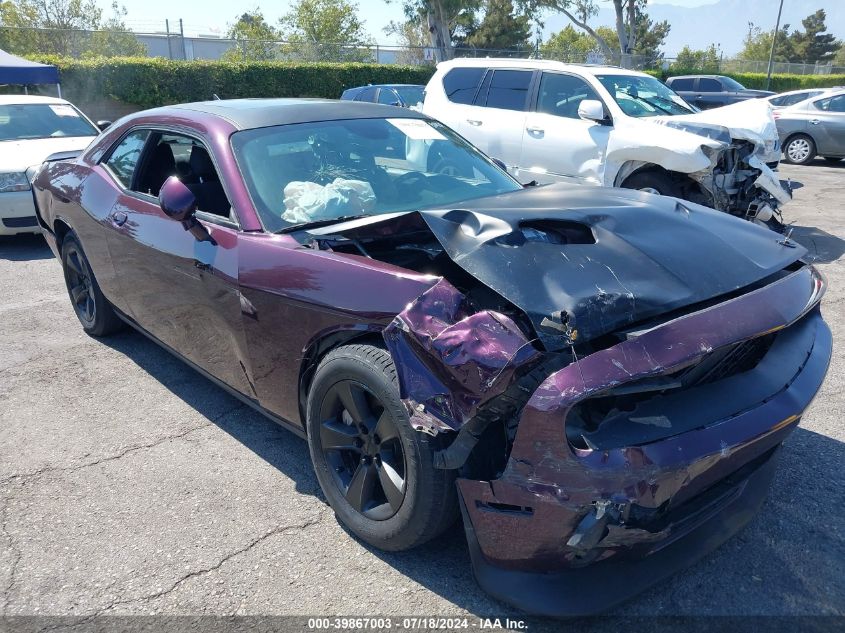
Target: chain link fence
column 173, row 44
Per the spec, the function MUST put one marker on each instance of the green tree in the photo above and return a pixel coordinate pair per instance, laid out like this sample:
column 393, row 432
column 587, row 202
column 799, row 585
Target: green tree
column 445, row 21
column 758, row 44
column 72, row 28
column 814, row 45
column 17, row 23
column 325, row 30
column 580, row 12
column 113, row 38
column 649, row 39
column 413, row 38
column 500, row 29
column 839, row 58
column 568, row 45
column 703, row 61
column 622, row 43
column 255, row 38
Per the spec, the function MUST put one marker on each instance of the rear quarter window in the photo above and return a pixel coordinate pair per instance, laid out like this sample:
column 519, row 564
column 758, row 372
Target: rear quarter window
column 460, row 84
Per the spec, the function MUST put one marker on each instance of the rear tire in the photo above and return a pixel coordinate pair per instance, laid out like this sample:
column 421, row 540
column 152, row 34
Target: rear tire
column 93, row 310
column 653, row 182
column 799, row 150
column 833, row 159
column 383, row 488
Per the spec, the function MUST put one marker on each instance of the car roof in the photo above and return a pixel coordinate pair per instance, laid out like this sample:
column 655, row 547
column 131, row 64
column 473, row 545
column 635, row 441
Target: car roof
column 247, row 114
column 695, row 77
column 28, row 99
column 536, row 64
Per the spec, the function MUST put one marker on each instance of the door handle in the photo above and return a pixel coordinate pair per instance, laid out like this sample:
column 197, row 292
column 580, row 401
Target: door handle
column 119, row 218
column 474, row 122
column 535, row 130
column 815, row 121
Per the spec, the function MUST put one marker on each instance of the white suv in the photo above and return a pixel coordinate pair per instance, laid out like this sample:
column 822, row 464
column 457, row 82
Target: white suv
column 549, row 121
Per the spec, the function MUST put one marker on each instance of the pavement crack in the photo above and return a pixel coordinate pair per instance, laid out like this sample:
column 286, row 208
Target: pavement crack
column 109, row 458
column 206, row 570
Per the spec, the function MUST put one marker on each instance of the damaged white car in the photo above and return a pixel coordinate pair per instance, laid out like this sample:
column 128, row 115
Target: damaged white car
column 554, row 122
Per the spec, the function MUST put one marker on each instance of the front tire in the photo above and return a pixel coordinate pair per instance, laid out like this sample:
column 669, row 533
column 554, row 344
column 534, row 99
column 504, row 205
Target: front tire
column 92, row 309
column 377, row 472
column 833, row 159
column 799, row 150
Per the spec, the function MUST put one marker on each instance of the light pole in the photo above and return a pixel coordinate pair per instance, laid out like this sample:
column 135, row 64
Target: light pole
column 772, row 51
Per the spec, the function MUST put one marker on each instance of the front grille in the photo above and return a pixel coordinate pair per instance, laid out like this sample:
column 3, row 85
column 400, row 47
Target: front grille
column 20, row 223
column 726, row 362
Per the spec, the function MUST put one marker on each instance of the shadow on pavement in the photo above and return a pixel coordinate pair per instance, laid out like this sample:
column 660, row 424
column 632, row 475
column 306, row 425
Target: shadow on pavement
column 24, row 247
column 823, row 246
column 787, row 561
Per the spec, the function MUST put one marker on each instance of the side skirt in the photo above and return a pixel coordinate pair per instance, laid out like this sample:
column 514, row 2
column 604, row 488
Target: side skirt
column 290, row 426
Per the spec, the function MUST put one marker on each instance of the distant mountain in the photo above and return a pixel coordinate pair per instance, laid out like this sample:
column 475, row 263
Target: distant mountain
column 725, row 22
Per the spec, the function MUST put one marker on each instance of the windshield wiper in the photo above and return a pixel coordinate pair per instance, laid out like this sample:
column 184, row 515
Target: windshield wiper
column 647, row 102
column 315, row 224
column 674, row 103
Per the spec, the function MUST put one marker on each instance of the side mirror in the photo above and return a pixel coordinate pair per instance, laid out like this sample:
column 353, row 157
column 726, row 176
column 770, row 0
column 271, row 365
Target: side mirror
column 103, row 125
column 593, row 110
column 500, row 163
column 179, row 203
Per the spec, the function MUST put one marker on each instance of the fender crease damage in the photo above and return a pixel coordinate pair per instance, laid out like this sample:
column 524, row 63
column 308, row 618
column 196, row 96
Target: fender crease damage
column 635, row 387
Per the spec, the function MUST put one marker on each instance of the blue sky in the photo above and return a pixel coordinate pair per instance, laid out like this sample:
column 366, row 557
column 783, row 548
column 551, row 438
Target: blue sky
column 201, row 16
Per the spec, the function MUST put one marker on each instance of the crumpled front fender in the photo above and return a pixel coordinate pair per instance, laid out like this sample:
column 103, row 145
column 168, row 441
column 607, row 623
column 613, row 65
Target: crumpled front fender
column 450, row 360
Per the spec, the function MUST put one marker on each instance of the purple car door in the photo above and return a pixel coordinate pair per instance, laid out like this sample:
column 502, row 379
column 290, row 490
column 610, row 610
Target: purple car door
column 180, row 289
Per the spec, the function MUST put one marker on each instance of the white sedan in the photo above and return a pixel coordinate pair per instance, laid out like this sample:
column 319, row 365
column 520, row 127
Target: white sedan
column 31, row 129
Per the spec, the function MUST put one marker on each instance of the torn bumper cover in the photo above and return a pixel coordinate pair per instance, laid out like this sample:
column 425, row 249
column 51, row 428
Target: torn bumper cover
column 571, row 531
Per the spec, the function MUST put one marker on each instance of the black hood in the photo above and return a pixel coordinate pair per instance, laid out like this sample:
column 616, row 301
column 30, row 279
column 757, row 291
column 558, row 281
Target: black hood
column 584, row 261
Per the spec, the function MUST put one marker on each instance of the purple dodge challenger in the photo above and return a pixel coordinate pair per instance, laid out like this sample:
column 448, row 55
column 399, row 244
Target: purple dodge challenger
column 597, row 380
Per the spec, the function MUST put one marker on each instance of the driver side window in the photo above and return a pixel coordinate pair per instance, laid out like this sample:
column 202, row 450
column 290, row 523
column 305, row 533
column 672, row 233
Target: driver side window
column 124, row 158
column 561, row 95
column 168, row 154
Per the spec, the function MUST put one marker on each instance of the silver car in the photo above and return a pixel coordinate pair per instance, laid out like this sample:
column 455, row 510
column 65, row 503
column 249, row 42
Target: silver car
column 815, row 127
column 786, row 99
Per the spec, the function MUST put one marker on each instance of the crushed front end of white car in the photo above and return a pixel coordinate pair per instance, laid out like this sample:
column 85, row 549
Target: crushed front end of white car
column 721, row 166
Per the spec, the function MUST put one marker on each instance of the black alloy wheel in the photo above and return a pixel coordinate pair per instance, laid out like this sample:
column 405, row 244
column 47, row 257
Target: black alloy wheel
column 93, row 310
column 361, row 444
column 79, row 284
column 376, row 471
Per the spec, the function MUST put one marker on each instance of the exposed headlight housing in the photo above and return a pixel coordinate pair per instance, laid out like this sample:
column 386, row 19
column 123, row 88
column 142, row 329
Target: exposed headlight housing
column 13, row 181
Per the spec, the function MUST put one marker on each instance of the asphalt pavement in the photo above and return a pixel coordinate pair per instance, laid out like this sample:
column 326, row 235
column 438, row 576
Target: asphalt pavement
column 130, row 485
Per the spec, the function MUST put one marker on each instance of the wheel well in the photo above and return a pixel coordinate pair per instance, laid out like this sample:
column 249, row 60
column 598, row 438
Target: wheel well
column 689, row 188
column 797, row 134
column 60, row 229
column 317, row 349
column 652, row 169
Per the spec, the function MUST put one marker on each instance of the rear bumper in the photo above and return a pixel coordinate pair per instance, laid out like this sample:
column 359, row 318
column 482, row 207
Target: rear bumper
column 17, row 213
column 567, row 531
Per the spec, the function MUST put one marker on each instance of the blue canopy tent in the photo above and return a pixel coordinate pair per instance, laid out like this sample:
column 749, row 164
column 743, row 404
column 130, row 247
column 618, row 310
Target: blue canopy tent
column 16, row 70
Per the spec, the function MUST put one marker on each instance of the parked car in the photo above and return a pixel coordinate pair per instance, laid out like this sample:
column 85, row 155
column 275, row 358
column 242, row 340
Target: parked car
column 601, row 125
column 598, row 379
column 403, row 95
column 813, row 127
column 786, row 99
column 31, row 129
column 713, row 91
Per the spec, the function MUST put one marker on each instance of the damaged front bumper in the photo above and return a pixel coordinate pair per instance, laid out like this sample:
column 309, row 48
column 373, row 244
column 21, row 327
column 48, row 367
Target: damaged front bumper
column 568, row 530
